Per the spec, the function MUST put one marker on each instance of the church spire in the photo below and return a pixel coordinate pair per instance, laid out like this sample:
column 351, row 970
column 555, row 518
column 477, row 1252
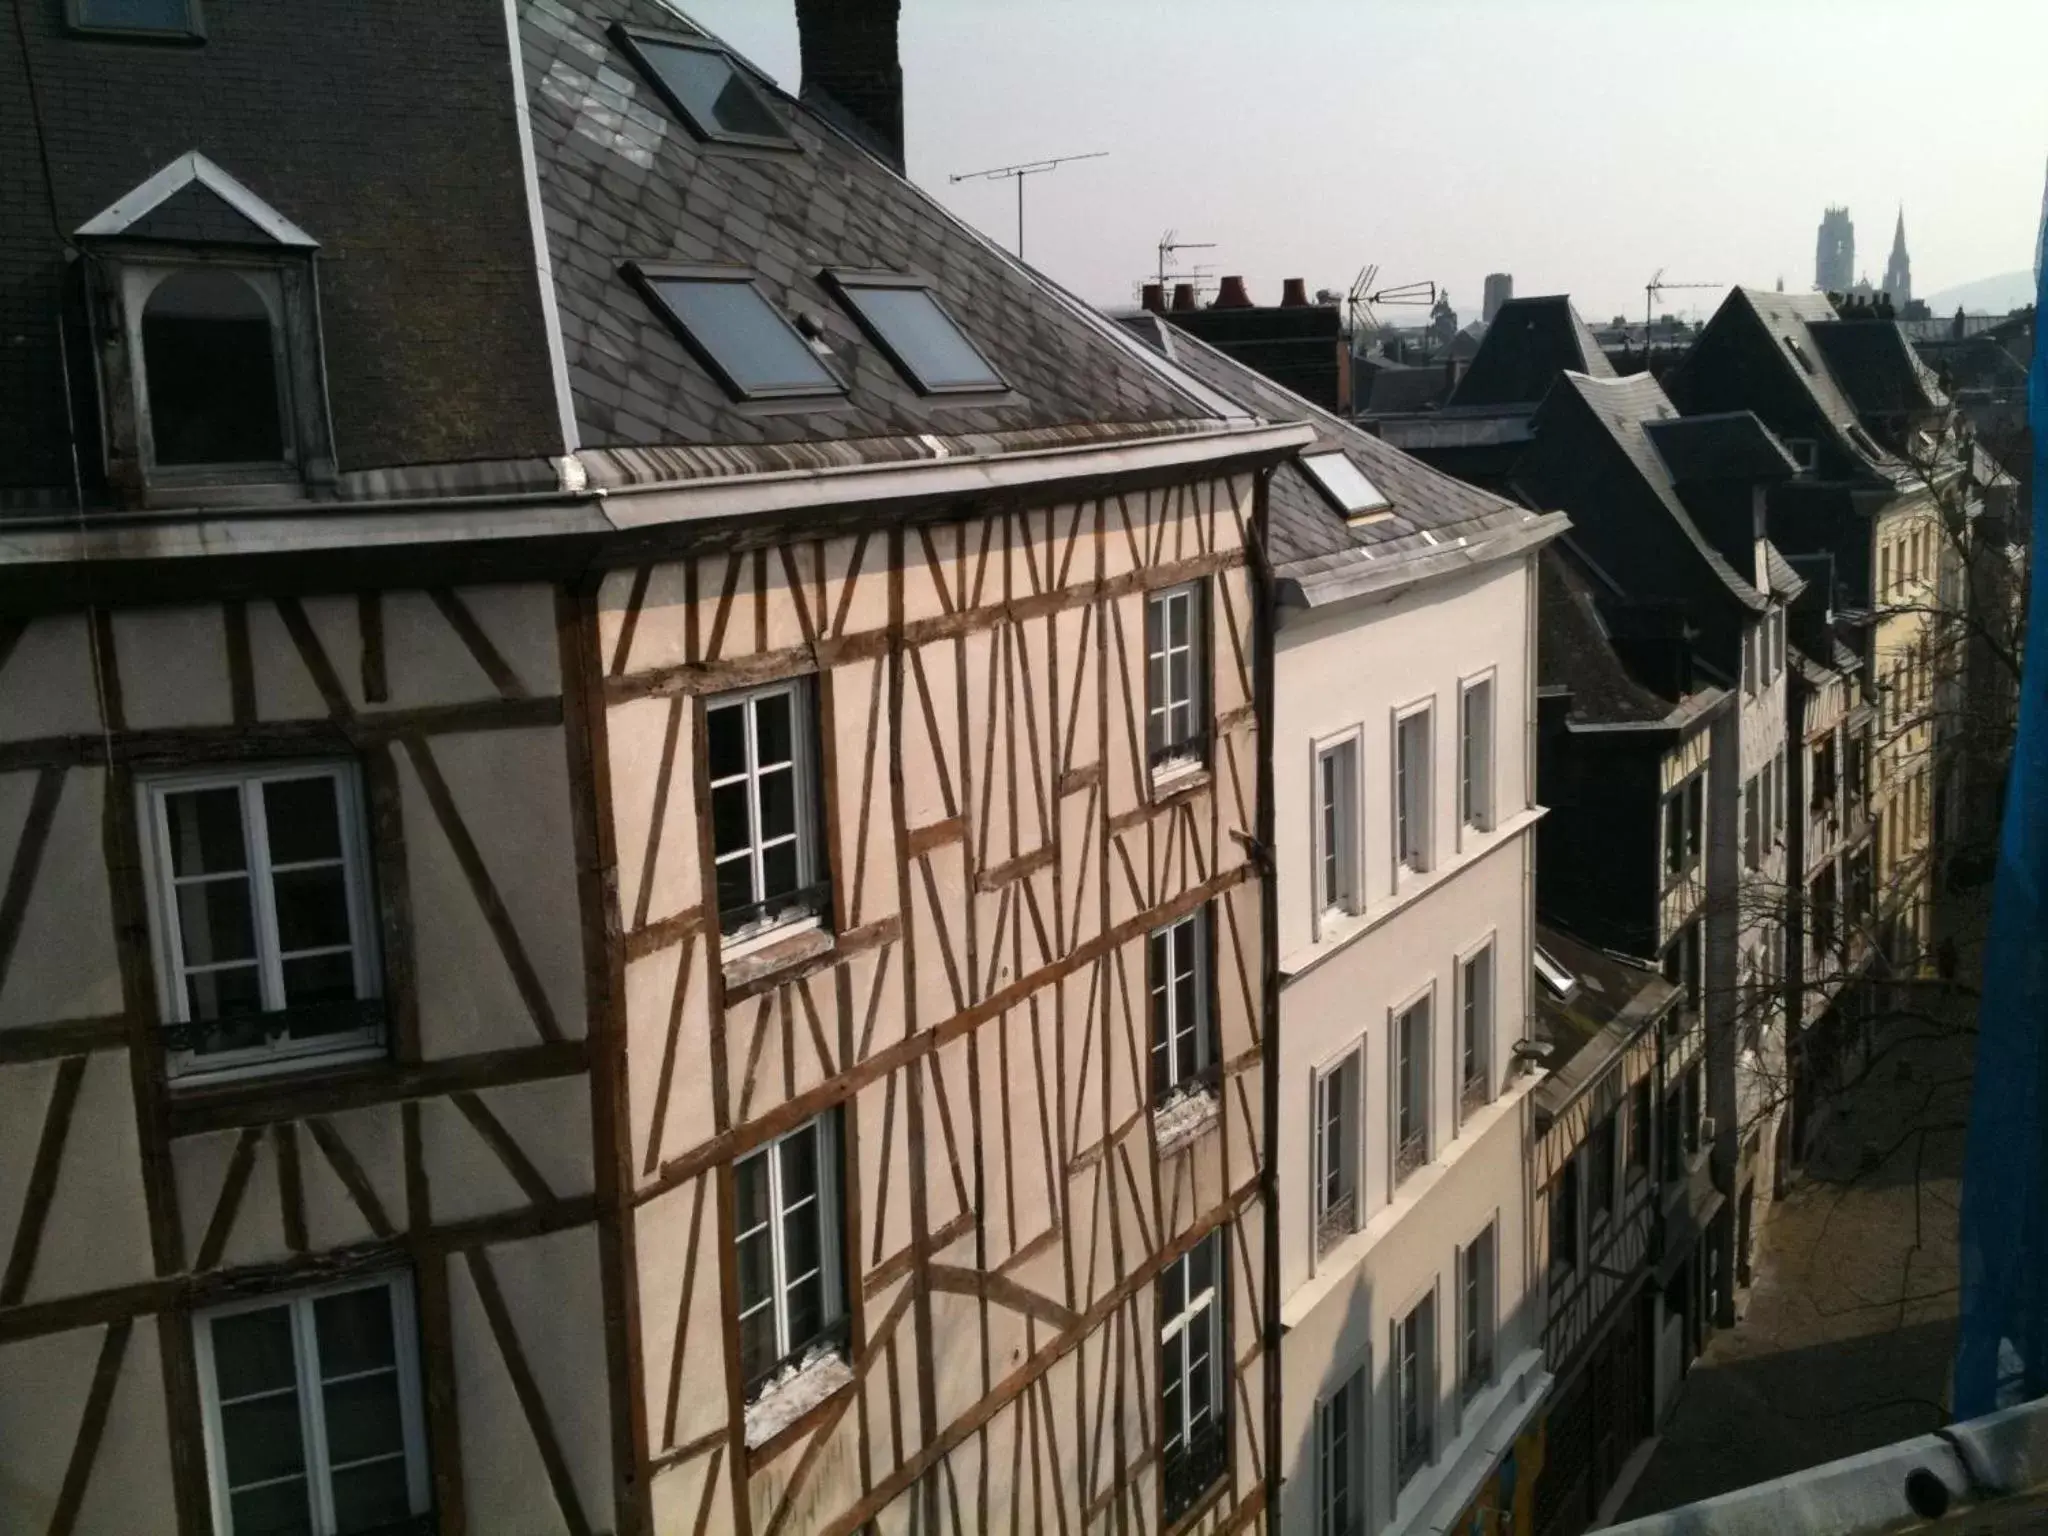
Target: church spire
column 1898, row 272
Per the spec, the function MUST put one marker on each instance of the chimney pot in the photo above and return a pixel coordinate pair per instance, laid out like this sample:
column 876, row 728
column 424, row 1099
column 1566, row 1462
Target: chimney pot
column 1154, row 298
column 1294, row 293
column 1232, row 295
column 1183, row 297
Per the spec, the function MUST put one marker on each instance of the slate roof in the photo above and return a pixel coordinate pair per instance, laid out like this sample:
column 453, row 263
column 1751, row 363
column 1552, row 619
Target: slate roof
column 1625, row 410
column 622, row 179
column 1876, row 367
column 1728, row 445
column 1530, row 342
column 1616, row 996
column 1307, row 535
column 1574, row 651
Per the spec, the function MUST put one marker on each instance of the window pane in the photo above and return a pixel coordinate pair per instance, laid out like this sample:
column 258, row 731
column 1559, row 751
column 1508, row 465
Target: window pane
column 205, row 828
column 312, row 908
column 1155, row 626
column 1201, row 1267
column 363, row 1419
column 718, row 98
column 302, row 820
column 799, row 1167
column 750, row 1194
column 354, row 1332
column 735, row 884
column 772, row 742
column 806, row 1303
column 757, row 1274
column 757, row 1344
column 929, row 345
column 320, row 979
column 1177, row 611
column 745, row 334
column 778, row 803
column 260, row 1438
column 212, row 371
column 252, row 1352
column 1346, row 484
column 725, row 740
column 731, row 823
column 1172, row 1292
column 235, row 993
column 369, row 1497
column 215, row 922
column 276, row 1510
column 779, row 871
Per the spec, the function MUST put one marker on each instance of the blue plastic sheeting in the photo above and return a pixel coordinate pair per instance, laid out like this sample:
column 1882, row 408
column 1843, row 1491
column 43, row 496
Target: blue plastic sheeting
column 2002, row 1351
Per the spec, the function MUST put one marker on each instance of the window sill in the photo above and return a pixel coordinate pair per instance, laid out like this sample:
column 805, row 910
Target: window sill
column 1185, row 1118
column 198, row 1081
column 773, row 952
column 795, row 1392
column 1183, row 777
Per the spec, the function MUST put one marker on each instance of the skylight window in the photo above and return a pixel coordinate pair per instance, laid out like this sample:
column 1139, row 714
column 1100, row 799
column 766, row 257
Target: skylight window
column 1344, row 483
column 1560, row 981
column 707, row 90
column 1800, row 352
column 746, row 342
column 901, row 316
column 1864, row 444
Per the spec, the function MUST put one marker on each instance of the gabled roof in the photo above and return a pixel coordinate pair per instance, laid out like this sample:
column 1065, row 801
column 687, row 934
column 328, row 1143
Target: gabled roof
column 1530, row 342
column 622, row 179
column 1621, row 411
column 1430, row 517
column 1877, row 368
column 1728, row 445
column 192, row 200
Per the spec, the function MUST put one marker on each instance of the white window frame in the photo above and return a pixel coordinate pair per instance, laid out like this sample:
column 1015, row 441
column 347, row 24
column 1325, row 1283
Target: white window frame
column 312, row 1405
column 1174, row 752
column 831, row 1268
column 1486, row 1319
column 1350, row 1454
column 1213, row 1301
column 1423, row 1391
column 1177, row 1081
column 1336, row 1107
column 1413, row 856
column 1475, row 811
column 167, row 940
column 1424, row 999
column 1470, row 1011
column 1752, row 645
column 800, row 916
column 1338, row 761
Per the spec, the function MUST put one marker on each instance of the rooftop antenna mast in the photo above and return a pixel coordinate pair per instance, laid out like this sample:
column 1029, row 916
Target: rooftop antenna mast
column 1363, row 296
column 1018, row 173
column 1169, row 243
column 1657, row 285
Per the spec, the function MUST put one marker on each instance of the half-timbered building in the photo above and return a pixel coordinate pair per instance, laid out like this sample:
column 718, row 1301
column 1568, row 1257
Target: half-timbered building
column 1404, row 842
column 630, row 770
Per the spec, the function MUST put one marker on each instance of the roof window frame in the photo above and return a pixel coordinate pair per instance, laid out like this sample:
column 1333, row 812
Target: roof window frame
column 194, row 30
column 1366, row 513
column 644, row 275
column 631, row 40
column 841, row 282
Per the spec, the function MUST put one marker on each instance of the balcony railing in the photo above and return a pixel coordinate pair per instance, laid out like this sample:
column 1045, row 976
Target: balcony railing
column 1412, row 1452
column 1337, row 1222
column 1191, row 1467
column 1410, row 1155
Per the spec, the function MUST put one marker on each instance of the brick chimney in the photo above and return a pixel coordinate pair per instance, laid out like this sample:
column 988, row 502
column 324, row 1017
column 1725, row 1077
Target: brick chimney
column 1153, row 298
column 852, row 72
column 1232, row 295
column 1294, row 293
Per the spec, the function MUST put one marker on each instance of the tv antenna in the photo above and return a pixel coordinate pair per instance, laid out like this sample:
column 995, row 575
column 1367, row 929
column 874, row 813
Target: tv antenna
column 1169, row 243
column 1018, row 173
column 1657, row 285
column 1363, row 296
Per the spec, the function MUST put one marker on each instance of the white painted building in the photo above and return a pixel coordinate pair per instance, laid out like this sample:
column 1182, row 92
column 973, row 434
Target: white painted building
column 1404, row 850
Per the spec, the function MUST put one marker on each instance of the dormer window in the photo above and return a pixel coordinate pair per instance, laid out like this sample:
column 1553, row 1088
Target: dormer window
column 1344, row 483
column 707, row 89
column 902, row 317
column 745, row 342
column 1805, row 453
column 174, row 19
column 205, row 325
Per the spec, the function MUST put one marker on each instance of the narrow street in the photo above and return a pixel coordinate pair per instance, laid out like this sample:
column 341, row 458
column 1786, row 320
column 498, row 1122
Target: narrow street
column 1847, row 1334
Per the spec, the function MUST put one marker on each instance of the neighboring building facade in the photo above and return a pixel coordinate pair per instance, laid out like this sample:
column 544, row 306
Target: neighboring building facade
column 1597, row 1172
column 1403, row 848
column 598, row 934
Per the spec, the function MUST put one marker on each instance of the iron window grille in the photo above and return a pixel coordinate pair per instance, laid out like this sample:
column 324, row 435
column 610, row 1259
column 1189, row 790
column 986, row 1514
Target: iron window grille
column 313, row 1411
column 786, row 1221
column 263, row 917
column 1338, row 1100
column 1183, row 1032
column 1194, row 1400
column 765, row 846
column 1175, row 652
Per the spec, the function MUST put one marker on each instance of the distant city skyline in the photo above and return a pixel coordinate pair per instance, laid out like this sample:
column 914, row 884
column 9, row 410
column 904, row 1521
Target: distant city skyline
column 1581, row 145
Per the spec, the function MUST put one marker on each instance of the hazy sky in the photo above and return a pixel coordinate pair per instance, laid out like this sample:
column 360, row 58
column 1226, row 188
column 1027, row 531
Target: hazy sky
column 1579, row 144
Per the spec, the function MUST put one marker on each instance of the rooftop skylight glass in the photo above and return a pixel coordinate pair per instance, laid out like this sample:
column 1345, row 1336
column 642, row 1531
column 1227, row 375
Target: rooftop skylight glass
column 1560, row 981
column 742, row 338
column 1344, row 483
column 703, row 86
column 905, row 321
